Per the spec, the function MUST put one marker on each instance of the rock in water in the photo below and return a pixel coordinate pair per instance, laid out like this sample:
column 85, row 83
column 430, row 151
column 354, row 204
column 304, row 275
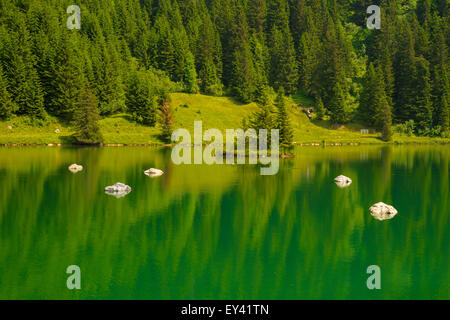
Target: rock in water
column 342, row 181
column 118, row 190
column 74, row 168
column 382, row 211
column 152, row 172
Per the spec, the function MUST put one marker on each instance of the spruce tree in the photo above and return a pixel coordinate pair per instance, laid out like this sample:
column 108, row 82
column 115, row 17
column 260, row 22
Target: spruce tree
column 166, row 118
column 320, row 109
column 386, row 119
column 441, row 116
column 86, row 116
column 283, row 124
column 190, row 74
column 405, row 72
column 371, row 95
column 243, row 78
column 337, row 105
column 140, row 99
column 69, row 84
column 264, row 118
column 6, row 104
column 421, row 111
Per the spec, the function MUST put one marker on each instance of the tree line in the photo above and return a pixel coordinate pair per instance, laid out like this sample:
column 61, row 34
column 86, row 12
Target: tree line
column 129, row 54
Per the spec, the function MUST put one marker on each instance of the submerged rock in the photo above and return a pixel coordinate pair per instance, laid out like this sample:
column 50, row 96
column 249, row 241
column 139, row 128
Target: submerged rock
column 152, row 172
column 74, row 168
column 382, row 211
column 118, row 190
column 342, row 181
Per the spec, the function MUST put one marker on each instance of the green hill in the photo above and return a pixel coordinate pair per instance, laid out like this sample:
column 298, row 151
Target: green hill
column 215, row 112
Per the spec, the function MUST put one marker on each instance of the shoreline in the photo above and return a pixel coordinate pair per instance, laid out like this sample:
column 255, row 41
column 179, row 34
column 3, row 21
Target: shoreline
column 295, row 144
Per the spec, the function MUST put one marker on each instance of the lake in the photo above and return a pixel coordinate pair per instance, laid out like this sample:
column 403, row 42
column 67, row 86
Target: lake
column 224, row 231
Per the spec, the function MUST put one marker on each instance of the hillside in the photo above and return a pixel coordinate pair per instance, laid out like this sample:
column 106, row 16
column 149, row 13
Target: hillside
column 215, row 112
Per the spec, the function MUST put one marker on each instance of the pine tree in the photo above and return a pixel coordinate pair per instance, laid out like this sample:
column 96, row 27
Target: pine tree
column 371, row 96
column 243, row 78
column 69, row 84
column 140, row 99
column 283, row 62
column 320, row 109
column 190, row 74
column 439, row 75
column 283, row 124
column 108, row 85
column 86, row 116
column 441, row 115
column 166, row 119
column 405, row 71
column 264, row 118
column 421, row 111
column 386, row 119
column 6, row 104
column 337, row 105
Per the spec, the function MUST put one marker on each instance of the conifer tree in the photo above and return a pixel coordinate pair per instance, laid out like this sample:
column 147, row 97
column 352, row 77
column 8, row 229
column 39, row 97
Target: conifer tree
column 6, row 104
column 68, row 85
column 86, row 116
column 320, row 109
column 140, row 99
column 243, row 79
column 337, row 105
column 421, row 111
column 283, row 62
column 283, row 124
column 441, row 115
column 166, row 118
column 371, row 97
column 405, row 71
column 386, row 120
column 190, row 74
column 264, row 118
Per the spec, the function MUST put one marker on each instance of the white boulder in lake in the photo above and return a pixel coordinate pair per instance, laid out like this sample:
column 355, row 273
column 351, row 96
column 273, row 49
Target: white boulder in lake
column 152, row 172
column 118, row 190
column 382, row 211
column 74, row 168
column 342, row 181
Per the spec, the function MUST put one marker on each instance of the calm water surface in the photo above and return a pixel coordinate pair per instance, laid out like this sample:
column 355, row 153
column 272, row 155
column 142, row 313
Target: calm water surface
column 224, row 232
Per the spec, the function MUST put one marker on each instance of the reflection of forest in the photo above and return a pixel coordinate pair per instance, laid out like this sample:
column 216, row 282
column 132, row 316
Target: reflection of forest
column 223, row 231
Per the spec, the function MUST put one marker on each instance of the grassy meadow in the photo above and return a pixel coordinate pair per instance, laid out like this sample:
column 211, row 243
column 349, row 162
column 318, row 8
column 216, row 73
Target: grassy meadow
column 215, row 112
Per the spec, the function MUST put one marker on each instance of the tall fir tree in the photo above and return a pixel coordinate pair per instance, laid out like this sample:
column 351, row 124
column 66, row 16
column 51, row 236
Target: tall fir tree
column 7, row 106
column 86, row 116
column 320, row 109
column 283, row 124
column 190, row 74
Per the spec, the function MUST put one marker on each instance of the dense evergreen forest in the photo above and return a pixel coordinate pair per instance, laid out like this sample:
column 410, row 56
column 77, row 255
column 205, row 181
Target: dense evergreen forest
column 129, row 54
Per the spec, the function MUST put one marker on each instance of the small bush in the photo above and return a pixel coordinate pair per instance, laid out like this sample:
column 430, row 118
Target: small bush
column 406, row 128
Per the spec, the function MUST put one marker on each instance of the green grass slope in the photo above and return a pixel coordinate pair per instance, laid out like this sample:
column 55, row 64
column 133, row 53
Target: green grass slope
column 215, row 112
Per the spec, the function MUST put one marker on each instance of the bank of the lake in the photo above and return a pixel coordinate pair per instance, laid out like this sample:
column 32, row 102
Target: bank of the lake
column 215, row 112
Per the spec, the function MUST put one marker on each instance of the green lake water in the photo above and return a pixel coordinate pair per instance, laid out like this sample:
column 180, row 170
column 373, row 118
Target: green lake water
column 224, row 231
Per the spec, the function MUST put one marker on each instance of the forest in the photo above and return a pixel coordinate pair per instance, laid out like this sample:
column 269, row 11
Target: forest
column 129, row 55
